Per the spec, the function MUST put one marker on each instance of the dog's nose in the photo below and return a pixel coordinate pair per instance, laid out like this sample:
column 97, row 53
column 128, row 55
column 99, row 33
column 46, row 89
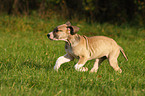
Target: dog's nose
column 48, row 35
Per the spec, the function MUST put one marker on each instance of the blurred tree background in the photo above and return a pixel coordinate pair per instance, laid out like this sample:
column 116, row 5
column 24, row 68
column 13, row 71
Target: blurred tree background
column 120, row 11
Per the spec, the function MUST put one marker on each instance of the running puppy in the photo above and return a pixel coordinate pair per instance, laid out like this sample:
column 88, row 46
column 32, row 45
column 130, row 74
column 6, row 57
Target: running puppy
column 85, row 48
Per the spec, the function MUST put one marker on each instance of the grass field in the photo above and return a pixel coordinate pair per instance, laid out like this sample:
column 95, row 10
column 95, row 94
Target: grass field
column 27, row 58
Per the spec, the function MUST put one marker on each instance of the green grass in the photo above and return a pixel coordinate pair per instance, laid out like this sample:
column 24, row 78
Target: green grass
column 27, row 58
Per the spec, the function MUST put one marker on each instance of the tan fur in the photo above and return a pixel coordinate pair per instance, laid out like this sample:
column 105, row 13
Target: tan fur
column 86, row 48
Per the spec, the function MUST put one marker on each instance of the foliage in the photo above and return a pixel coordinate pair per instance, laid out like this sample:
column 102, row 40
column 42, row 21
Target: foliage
column 120, row 11
column 27, row 58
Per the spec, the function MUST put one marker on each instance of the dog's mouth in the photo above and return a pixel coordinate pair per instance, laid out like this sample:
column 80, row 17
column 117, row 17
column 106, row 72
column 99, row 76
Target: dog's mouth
column 54, row 39
column 57, row 39
column 51, row 38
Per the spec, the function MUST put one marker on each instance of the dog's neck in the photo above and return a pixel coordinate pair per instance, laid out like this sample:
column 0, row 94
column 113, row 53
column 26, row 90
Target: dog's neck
column 73, row 40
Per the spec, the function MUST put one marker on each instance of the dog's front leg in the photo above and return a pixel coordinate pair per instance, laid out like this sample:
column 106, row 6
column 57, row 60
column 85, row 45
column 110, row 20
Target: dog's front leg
column 80, row 64
column 61, row 60
column 97, row 64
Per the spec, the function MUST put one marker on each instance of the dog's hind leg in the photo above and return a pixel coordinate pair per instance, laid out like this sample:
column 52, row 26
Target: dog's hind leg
column 61, row 60
column 113, row 61
column 97, row 64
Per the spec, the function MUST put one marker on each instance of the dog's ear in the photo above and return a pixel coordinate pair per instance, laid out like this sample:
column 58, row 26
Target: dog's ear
column 68, row 23
column 73, row 29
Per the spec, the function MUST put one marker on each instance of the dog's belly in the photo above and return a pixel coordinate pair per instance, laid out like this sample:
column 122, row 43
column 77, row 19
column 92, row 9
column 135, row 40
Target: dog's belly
column 98, row 55
column 86, row 53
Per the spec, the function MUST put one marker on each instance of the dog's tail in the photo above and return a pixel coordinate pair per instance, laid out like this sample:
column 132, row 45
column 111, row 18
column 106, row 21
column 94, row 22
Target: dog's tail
column 122, row 51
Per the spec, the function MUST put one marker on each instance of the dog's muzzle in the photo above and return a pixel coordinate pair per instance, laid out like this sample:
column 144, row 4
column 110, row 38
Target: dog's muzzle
column 50, row 35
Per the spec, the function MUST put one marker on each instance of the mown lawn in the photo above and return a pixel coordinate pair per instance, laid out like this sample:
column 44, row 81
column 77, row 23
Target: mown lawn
column 27, row 58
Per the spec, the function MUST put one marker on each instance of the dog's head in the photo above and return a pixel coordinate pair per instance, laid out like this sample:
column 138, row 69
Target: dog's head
column 62, row 32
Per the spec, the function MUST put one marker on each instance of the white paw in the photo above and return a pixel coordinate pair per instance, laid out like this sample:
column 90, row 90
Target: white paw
column 79, row 67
